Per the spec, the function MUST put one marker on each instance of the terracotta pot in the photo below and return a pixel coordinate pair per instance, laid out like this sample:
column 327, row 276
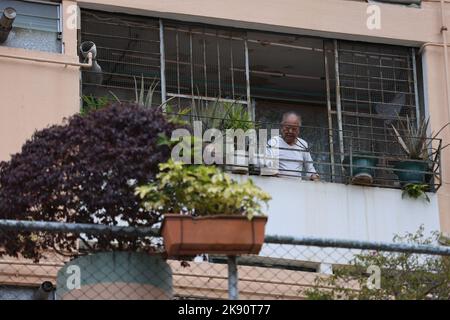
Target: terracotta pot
column 223, row 234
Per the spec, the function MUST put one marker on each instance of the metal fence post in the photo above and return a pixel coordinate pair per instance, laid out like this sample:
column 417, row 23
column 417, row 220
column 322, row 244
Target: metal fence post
column 233, row 292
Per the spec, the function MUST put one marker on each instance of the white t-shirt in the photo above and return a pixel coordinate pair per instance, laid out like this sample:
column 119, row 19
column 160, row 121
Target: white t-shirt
column 289, row 160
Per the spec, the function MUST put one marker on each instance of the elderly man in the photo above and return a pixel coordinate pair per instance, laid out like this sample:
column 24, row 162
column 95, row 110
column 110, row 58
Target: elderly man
column 288, row 153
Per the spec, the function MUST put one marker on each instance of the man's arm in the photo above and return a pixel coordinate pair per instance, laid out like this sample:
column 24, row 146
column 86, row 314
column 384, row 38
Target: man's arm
column 308, row 164
column 311, row 172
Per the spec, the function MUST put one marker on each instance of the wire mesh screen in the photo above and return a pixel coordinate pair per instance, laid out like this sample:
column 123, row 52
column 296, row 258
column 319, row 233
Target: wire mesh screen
column 300, row 268
column 377, row 90
column 205, row 62
column 128, row 52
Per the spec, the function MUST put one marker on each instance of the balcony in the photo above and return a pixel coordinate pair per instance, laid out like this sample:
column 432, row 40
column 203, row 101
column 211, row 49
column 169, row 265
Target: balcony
column 344, row 204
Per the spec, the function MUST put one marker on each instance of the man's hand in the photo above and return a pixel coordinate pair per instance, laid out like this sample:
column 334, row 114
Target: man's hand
column 314, row 177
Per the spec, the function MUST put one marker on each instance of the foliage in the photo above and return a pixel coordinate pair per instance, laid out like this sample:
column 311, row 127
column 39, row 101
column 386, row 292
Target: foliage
column 91, row 103
column 237, row 117
column 221, row 115
column 414, row 142
column 408, row 276
column 143, row 99
column 416, row 191
column 83, row 171
column 201, row 190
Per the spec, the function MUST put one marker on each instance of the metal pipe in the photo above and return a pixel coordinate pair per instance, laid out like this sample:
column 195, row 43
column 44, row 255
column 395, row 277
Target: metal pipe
column 44, row 291
column 416, row 90
column 330, row 120
column 444, row 45
column 74, row 64
column 262, row 42
column 205, row 75
column 233, row 291
column 95, row 74
column 338, row 100
column 247, row 79
column 162, row 63
column 192, row 67
column 218, row 67
column 197, row 97
column 446, row 64
column 358, row 244
column 6, row 23
column 88, row 228
column 231, row 67
column 405, row 2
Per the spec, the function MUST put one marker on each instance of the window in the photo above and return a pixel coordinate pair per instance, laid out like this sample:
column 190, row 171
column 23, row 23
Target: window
column 349, row 94
column 127, row 51
column 203, row 61
column 37, row 26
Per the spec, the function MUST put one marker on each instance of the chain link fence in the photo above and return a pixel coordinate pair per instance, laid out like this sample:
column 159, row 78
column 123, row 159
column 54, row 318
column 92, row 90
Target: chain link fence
column 286, row 268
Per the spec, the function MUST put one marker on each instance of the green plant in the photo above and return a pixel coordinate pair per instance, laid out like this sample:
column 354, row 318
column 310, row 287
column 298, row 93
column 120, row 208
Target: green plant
column 83, row 171
column 237, row 117
column 415, row 142
column 143, row 98
column 201, row 190
column 414, row 190
column 221, row 115
column 403, row 276
column 91, row 103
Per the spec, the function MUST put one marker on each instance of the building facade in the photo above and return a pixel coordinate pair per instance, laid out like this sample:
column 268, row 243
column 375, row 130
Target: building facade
column 349, row 67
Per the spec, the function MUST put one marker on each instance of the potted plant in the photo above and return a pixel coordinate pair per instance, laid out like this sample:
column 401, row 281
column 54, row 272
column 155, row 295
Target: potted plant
column 417, row 147
column 205, row 211
column 223, row 116
column 361, row 167
column 238, row 118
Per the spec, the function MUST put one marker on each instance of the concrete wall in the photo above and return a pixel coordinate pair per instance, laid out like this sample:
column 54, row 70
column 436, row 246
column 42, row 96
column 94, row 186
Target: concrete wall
column 35, row 94
column 439, row 111
column 323, row 209
column 330, row 18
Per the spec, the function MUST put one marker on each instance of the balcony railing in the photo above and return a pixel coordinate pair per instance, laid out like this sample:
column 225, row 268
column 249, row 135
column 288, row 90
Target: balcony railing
column 337, row 156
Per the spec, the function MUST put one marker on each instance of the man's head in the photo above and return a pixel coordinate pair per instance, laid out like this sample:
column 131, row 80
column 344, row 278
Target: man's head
column 290, row 127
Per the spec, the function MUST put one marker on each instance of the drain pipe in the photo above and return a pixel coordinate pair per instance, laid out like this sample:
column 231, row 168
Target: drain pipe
column 44, row 291
column 6, row 22
column 444, row 39
column 94, row 74
column 444, row 45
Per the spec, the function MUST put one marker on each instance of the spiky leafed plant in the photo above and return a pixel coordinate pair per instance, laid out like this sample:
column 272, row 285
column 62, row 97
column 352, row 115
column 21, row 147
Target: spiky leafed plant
column 142, row 98
column 221, row 115
column 415, row 142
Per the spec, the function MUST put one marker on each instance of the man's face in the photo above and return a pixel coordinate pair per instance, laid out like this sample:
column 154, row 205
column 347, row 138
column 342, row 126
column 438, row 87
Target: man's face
column 290, row 129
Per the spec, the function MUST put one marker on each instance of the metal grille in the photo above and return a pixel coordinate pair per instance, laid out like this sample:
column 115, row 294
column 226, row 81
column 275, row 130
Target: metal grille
column 377, row 89
column 355, row 90
column 204, row 62
column 128, row 48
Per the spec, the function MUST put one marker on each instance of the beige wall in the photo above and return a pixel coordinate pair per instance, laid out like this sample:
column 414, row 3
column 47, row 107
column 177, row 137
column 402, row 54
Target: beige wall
column 439, row 115
column 331, row 18
column 35, row 94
